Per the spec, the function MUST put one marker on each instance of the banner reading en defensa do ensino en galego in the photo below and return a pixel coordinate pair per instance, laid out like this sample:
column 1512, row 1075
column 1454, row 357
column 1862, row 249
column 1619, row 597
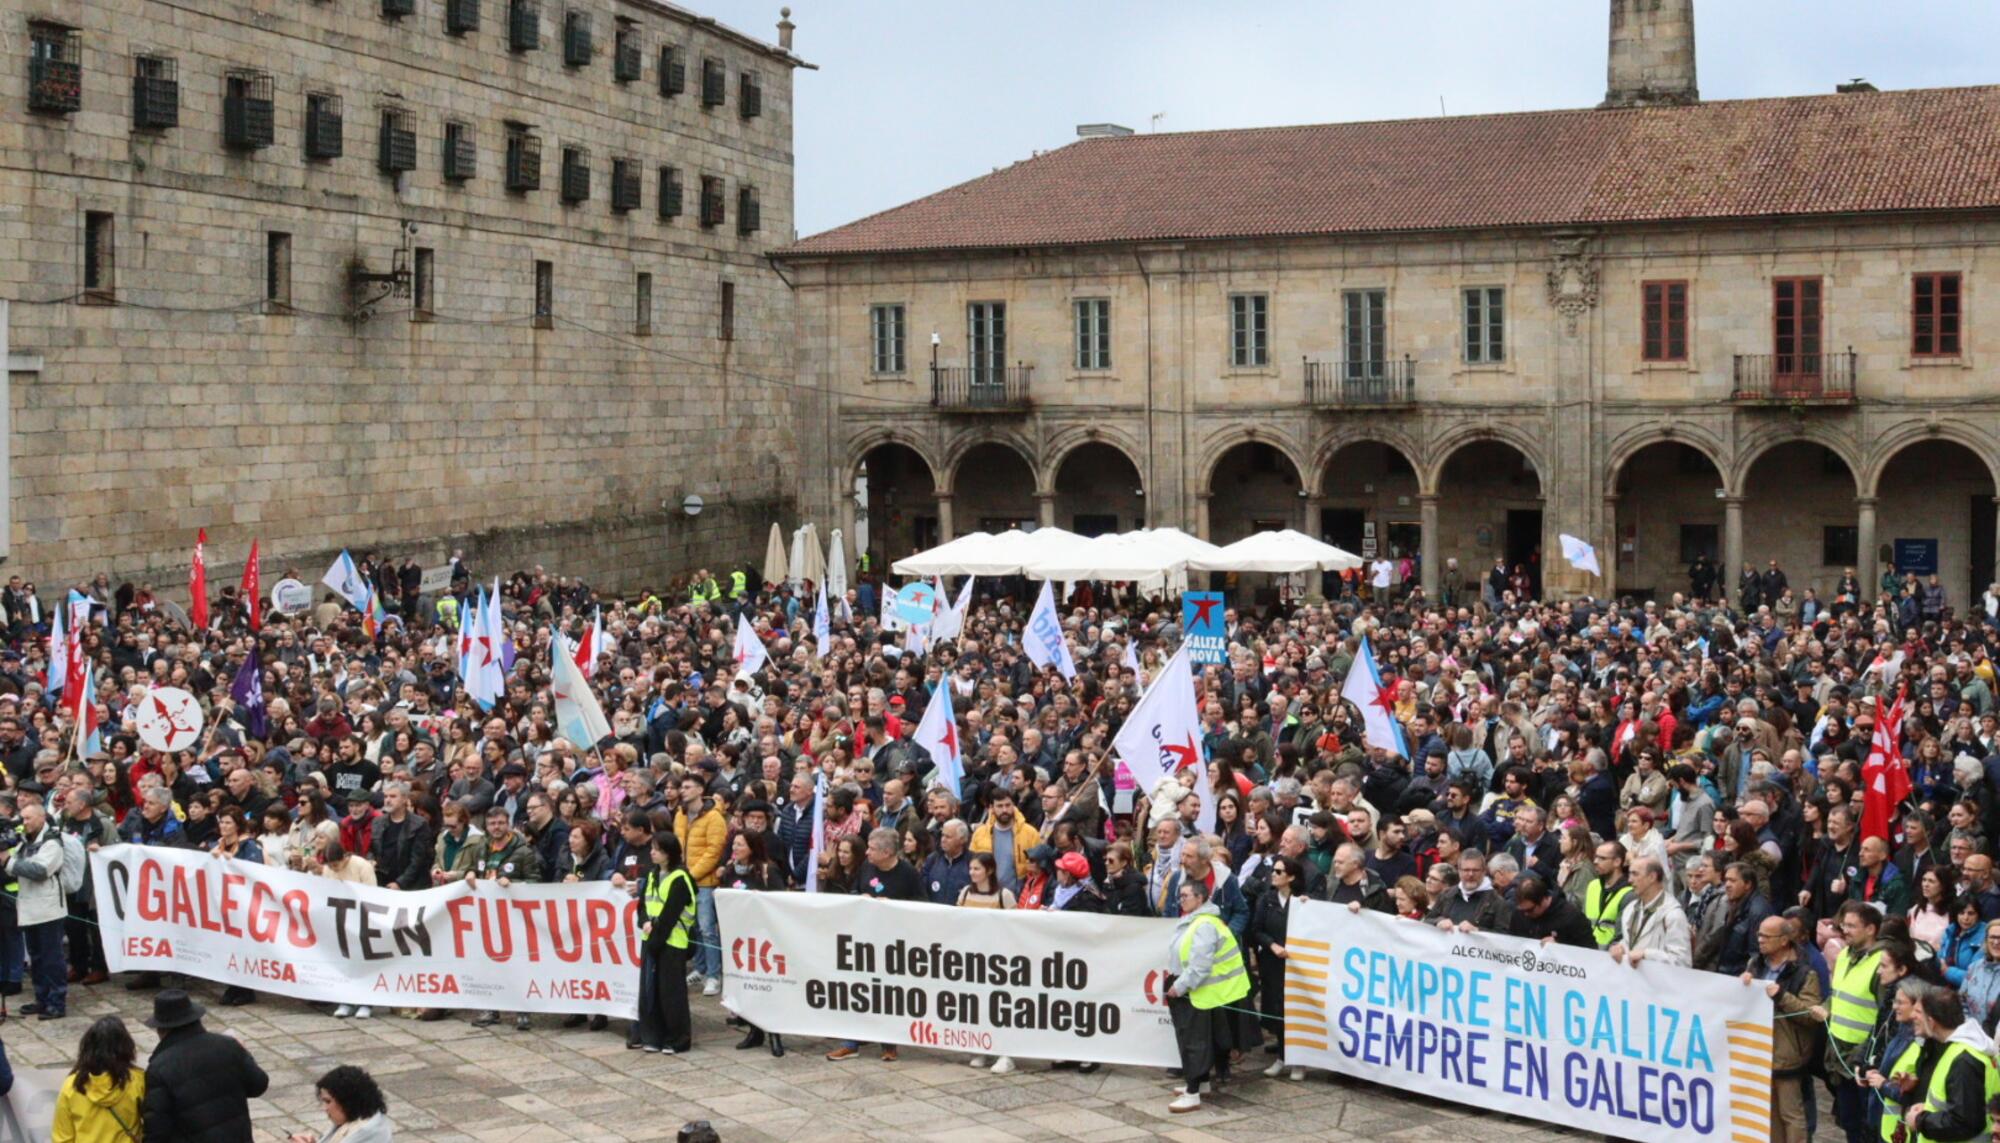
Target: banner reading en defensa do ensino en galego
column 522, row 948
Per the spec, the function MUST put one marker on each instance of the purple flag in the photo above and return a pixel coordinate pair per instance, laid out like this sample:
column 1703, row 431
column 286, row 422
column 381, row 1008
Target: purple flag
column 247, row 692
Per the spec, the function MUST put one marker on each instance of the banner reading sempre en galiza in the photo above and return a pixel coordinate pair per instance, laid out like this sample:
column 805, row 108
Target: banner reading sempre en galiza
column 521, row 948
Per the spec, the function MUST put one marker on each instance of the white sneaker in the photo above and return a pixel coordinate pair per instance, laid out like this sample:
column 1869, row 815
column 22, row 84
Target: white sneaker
column 1298, row 1075
column 712, row 987
column 1003, row 1066
column 694, row 976
column 977, row 1062
column 1185, row 1103
column 364, row 1013
column 666, row 1051
column 343, row 1012
column 1275, row 1070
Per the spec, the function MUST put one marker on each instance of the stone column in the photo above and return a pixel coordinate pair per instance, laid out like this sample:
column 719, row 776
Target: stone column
column 1864, row 544
column 945, row 529
column 1313, row 504
column 1045, row 508
column 1732, row 544
column 1432, row 568
column 1607, row 554
column 1976, row 590
column 844, row 499
column 1201, row 500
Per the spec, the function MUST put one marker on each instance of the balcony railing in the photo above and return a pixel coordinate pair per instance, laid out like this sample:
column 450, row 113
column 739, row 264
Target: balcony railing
column 1343, row 384
column 978, row 388
column 1786, row 378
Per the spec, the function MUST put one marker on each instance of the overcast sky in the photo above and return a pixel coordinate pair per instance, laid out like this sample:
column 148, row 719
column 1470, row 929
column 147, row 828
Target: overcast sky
column 913, row 96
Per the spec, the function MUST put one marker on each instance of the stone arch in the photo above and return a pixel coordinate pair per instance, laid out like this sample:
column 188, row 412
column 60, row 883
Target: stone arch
column 1254, row 480
column 1449, row 444
column 1884, row 449
column 1937, row 484
column 955, row 452
column 1750, row 451
column 1401, row 442
column 874, row 438
column 998, row 492
column 1642, row 437
column 1064, row 443
column 1095, row 486
column 1220, row 444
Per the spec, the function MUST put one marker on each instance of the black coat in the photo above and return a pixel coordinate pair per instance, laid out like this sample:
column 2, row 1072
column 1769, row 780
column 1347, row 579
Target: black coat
column 198, row 1088
column 1125, row 895
column 1563, row 921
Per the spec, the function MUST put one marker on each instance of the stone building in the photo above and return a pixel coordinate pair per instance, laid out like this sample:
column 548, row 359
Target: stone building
column 1756, row 329
column 396, row 274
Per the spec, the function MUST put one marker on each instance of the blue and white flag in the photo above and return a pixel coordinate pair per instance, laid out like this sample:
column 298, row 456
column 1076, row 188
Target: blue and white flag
column 1376, row 702
column 822, row 624
column 1043, row 640
column 345, row 580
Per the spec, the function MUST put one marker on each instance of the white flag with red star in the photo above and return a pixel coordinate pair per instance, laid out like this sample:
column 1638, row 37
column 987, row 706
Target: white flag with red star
column 937, row 733
column 1162, row 735
column 750, row 652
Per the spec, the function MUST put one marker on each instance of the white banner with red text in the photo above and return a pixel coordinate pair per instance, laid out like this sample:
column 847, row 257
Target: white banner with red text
column 1564, row 1035
column 521, row 948
column 991, row 982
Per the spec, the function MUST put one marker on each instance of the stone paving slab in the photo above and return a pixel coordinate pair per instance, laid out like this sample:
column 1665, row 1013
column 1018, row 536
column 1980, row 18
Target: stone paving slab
column 448, row 1082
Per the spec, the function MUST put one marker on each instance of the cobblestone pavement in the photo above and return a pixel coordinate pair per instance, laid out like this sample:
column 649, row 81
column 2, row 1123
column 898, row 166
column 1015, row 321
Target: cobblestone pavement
column 448, row 1082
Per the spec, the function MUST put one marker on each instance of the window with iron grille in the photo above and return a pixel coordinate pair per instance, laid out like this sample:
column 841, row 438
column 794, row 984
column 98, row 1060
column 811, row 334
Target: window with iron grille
column 461, row 151
column 524, row 159
column 1935, row 315
column 545, row 294
column 423, row 284
column 576, row 38
column 727, row 332
column 100, row 257
column 670, row 193
column 461, row 16
column 398, row 150
column 749, row 96
column 642, row 305
column 575, row 174
column 397, row 9
column 277, row 269
column 673, row 71
column 524, row 25
column 1485, row 325
column 1249, row 330
column 1663, row 320
column 323, row 126
column 712, row 207
column 627, row 61
column 714, row 83
column 248, row 110
column 55, row 68
column 887, row 325
column 627, row 192
column 156, row 93
column 1093, row 333
column 748, row 215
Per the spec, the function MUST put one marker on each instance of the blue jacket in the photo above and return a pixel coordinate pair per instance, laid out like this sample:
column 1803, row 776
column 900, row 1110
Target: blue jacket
column 1981, row 990
column 945, row 879
column 1960, row 950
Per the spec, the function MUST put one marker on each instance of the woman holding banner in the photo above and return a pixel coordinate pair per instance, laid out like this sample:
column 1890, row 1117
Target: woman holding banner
column 1267, row 934
column 984, row 891
column 667, row 903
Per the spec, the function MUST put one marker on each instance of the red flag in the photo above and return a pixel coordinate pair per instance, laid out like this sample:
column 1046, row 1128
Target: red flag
column 198, row 583
column 253, row 595
column 1885, row 779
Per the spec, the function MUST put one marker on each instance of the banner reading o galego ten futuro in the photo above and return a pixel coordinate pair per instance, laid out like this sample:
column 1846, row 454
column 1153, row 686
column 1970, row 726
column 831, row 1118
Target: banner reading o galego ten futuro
column 1566, row 1035
column 1048, row 986
column 524, row 948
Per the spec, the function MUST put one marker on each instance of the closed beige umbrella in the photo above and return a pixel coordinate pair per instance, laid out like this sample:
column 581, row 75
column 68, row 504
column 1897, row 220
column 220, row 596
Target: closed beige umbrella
column 774, row 568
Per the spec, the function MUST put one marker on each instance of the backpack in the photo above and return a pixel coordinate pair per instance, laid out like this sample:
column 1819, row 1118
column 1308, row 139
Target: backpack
column 76, row 863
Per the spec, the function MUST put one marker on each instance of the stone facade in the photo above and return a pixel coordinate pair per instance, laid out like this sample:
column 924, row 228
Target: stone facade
column 1652, row 53
column 199, row 388
column 1572, row 431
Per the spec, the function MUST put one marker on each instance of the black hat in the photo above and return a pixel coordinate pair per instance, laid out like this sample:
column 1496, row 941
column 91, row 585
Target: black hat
column 513, row 770
column 174, row 1008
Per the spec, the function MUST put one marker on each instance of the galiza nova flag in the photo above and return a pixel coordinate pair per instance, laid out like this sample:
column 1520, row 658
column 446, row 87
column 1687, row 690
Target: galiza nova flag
column 937, row 733
column 1043, row 640
column 1162, row 735
column 1377, row 703
column 822, row 624
column 578, row 715
column 346, row 581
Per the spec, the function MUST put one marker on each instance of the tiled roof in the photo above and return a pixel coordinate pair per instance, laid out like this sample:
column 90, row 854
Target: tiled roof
column 1936, row 149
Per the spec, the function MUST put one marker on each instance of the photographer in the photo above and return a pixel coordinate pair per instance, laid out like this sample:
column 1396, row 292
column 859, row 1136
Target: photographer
column 36, row 865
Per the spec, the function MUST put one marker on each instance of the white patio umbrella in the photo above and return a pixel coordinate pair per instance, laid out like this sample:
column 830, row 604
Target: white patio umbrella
column 836, row 565
column 775, row 566
column 1278, row 552
column 798, row 564
column 814, row 555
column 946, row 558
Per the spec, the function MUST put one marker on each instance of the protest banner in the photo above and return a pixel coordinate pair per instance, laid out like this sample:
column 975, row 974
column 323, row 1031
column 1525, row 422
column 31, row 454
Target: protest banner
column 1203, row 626
column 1558, row 1034
column 524, row 948
column 1036, row 985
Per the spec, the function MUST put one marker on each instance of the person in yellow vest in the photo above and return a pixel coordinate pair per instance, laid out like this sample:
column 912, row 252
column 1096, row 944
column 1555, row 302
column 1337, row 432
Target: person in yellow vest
column 1206, row 972
column 1901, row 1058
column 1851, row 1012
column 703, row 588
column 666, row 908
column 1606, row 897
column 739, row 585
column 1951, row 1105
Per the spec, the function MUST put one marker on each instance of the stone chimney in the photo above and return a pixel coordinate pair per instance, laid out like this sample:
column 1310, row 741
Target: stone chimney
column 1652, row 54
column 785, row 27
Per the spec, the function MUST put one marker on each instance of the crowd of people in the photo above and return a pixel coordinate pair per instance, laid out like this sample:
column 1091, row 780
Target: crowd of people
column 1676, row 780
